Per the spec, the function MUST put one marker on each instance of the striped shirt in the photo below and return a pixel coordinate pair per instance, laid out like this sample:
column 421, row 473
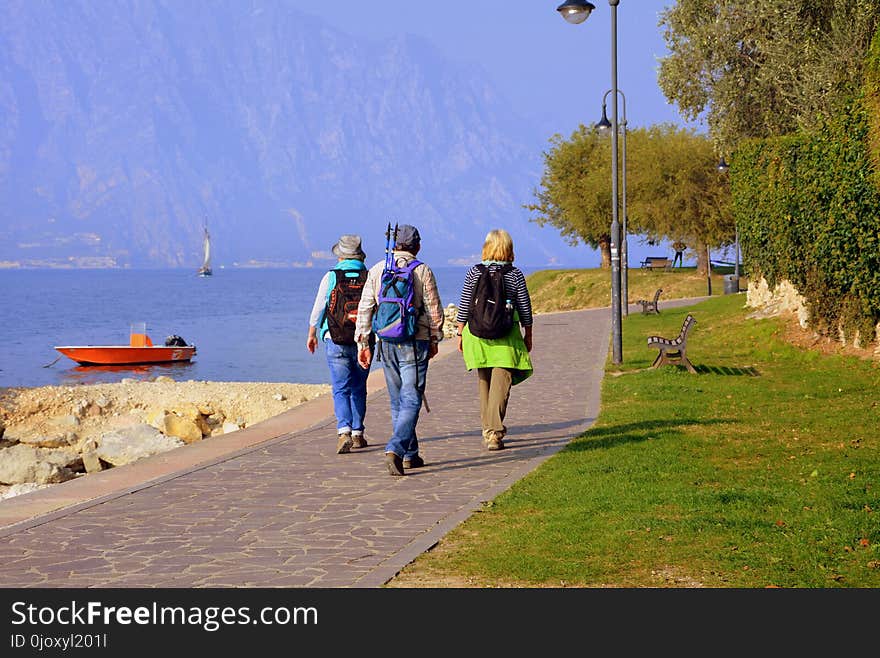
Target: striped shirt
column 514, row 284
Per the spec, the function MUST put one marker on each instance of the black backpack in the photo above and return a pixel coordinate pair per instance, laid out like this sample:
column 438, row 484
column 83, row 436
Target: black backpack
column 491, row 311
column 342, row 307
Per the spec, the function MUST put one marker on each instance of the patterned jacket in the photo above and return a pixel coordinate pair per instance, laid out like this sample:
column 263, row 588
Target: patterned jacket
column 426, row 297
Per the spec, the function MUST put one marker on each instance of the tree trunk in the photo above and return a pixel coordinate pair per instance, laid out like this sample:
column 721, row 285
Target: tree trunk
column 605, row 250
column 702, row 259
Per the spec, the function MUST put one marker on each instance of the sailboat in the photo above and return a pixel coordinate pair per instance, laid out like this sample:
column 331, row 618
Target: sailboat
column 205, row 269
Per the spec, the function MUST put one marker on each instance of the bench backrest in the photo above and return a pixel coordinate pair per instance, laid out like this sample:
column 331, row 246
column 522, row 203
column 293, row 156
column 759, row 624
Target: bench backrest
column 689, row 322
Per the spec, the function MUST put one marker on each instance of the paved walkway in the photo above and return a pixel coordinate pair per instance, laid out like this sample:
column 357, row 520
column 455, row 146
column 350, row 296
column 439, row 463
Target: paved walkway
column 274, row 506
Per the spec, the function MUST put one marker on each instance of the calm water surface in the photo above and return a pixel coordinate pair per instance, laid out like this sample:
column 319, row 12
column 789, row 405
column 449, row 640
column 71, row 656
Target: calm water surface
column 247, row 324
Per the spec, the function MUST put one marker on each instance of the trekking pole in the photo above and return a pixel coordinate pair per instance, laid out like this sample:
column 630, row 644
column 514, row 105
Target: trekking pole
column 388, row 245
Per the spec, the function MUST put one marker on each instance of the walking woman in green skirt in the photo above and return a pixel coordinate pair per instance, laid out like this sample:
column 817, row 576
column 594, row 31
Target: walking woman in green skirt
column 495, row 331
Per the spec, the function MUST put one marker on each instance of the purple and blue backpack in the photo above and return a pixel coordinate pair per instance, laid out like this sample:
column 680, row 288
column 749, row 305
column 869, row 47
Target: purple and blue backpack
column 395, row 317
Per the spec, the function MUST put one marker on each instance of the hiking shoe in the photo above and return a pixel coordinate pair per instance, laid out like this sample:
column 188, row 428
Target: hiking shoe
column 413, row 462
column 358, row 441
column 394, row 463
column 489, row 434
column 343, row 444
column 494, row 443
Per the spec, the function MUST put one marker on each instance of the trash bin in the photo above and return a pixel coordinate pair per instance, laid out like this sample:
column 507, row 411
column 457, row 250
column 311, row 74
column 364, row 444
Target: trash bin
column 731, row 284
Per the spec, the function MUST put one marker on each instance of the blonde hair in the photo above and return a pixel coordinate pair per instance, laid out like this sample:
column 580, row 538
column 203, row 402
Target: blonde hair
column 498, row 246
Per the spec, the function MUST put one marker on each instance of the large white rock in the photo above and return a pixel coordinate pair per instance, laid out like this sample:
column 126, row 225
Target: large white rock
column 22, row 463
column 92, row 462
column 771, row 302
column 127, row 445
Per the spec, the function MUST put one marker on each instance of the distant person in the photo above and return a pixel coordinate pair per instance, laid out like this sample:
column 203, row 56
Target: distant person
column 404, row 358
column 501, row 362
column 333, row 322
column 679, row 248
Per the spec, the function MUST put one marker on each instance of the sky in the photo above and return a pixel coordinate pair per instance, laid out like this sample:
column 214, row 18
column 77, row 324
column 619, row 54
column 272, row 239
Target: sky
column 550, row 71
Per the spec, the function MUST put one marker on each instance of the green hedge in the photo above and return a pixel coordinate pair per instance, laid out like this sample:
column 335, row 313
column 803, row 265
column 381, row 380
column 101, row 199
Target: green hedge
column 808, row 210
column 872, row 102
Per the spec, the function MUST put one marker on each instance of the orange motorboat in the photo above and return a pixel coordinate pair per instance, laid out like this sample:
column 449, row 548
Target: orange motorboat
column 140, row 350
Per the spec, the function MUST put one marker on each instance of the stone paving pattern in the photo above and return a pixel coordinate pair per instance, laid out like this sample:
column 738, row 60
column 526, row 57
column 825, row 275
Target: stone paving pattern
column 290, row 512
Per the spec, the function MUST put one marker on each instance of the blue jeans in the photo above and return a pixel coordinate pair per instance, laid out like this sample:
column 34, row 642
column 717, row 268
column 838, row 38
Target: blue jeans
column 406, row 367
column 349, row 383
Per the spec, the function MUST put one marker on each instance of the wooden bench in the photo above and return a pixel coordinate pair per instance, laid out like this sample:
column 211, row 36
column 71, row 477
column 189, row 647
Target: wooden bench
column 674, row 351
column 656, row 263
column 650, row 305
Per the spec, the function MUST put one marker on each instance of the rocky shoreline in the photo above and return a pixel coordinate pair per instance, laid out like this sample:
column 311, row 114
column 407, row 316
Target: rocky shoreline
column 51, row 434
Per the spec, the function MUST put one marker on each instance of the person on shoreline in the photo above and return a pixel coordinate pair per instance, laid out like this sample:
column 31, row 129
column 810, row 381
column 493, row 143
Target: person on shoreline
column 405, row 363
column 679, row 248
column 501, row 362
column 341, row 288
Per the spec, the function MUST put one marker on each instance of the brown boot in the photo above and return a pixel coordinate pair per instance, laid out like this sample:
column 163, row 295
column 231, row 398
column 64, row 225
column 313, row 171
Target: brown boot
column 343, row 444
column 394, row 464
column 493, row 441
column 358, row 441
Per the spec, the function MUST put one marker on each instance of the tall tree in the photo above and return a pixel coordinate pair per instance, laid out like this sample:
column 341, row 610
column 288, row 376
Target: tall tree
column 757, row 68
column 674, row 190
column 575, row 191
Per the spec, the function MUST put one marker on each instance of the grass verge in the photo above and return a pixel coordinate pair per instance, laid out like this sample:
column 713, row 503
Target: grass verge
column 761, row 471
column 566, row 290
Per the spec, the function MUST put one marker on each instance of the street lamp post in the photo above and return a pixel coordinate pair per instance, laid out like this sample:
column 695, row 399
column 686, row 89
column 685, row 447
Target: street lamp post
column 577, row 11
column 604, row 125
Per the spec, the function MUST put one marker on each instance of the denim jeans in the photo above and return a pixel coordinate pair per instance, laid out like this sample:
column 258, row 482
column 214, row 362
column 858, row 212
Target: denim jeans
column 406, row 367
column 349, row 382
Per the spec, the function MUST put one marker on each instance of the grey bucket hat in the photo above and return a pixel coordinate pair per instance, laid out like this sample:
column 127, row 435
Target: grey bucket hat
column 408, row 238
column 349, row 246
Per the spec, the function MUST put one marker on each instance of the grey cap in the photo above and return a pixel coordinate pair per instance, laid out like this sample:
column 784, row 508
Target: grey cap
column 349, row 246
column 408, row 238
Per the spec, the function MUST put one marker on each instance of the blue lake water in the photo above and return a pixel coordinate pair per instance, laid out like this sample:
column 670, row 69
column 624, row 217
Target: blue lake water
column 247, row 324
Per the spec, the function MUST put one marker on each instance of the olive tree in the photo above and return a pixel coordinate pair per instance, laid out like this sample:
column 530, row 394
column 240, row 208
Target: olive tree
column 575, row 190
column 758, row 68
column 674, row 190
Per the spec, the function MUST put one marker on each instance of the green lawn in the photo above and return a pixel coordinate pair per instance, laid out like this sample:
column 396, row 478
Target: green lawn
column 762, row 470
column 565, row 290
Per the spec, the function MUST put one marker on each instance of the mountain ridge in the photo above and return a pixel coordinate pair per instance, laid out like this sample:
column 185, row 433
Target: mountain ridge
column 128, row 125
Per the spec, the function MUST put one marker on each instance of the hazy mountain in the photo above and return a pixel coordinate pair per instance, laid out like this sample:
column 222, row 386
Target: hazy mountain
column 124, row 124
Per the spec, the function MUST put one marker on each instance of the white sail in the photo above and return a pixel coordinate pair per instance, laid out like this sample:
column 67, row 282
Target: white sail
column 207, row 264
column 205, row 269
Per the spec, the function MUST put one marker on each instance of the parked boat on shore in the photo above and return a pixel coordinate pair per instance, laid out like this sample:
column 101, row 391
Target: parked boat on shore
column 140, row 350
